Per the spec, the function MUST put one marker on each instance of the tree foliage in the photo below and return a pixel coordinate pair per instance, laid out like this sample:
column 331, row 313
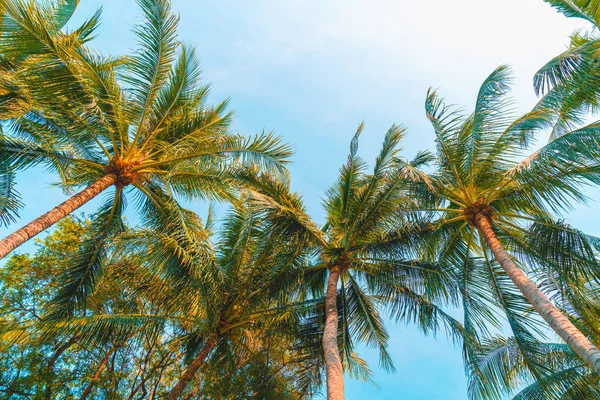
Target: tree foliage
column 182, row 306
column 145, row 325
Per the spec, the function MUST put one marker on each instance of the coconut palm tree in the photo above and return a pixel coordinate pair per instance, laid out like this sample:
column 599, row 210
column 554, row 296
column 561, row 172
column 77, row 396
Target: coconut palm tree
column 493, row 202
column 255, row 276
column 571, row 80
column 138, row 123
column 363, row 255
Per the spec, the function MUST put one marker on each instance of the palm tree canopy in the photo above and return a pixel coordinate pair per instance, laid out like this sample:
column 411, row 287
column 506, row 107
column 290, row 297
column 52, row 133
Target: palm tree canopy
column 144, row 117
column 484, row 165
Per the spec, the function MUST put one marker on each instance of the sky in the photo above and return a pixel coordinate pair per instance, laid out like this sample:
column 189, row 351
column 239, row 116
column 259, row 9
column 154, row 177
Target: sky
column 313, row 70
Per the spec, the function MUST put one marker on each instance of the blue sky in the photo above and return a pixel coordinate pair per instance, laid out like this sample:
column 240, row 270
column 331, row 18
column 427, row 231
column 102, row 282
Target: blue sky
column 312, row 70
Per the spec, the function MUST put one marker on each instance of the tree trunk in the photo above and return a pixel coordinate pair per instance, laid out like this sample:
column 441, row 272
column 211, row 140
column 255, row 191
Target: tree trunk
column 142, row 385
column 193, row 368
column 89, row 387
column 333, row 362
column 552, row 315
column 36, row 226
column 52, row 362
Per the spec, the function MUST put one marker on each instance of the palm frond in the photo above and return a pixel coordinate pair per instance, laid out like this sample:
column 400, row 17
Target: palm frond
column 80, row 278
column 365, row 323
column 151, row 65
column 586, row 9
column 10, row 200
column 489, row 118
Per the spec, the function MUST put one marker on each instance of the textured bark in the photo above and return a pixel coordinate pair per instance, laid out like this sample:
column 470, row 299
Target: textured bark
column 552, row 315
column 48, row 219
column 193, row 368
column 89, row 387
column 333, row 362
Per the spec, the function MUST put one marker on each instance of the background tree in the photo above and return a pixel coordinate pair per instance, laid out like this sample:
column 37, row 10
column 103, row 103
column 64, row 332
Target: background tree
column 144, row 325
column 64, row 365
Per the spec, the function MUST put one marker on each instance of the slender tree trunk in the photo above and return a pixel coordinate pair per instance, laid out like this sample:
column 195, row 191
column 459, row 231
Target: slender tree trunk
column 157, row 382
column 36, row 226
column 193, row 368
column 552, row 315
column 333, row 362
column 52, row 362
column 160, row 365
column 96, row 375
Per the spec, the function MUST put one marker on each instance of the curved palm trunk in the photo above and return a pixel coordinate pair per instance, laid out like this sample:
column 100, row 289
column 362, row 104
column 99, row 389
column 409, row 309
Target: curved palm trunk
column 552, row 315
column 48, row 219
column 193, row 368
column 333, row 362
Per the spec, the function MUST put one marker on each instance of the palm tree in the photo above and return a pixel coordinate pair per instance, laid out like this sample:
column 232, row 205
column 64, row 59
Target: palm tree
column 255, row 275
column 491, row 204
column 363, row 255
column 138, row 123
column 571, row 80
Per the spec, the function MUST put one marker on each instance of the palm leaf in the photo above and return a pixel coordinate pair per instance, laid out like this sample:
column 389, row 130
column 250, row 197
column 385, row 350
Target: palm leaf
column 81, row 276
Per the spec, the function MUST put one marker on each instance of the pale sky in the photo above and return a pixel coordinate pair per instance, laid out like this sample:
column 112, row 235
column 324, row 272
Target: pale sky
column 312, row 70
